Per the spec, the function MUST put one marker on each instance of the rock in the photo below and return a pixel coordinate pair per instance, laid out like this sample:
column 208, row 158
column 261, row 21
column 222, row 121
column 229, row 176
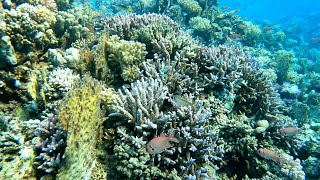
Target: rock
column 7, row 54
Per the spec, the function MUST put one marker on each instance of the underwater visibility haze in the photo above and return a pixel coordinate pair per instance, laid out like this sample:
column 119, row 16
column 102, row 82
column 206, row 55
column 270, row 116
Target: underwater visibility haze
column 159, row 89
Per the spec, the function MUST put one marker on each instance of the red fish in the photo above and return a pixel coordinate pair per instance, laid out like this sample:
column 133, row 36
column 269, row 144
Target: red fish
column 290, row 131
column 160, row 143
column 271, row 155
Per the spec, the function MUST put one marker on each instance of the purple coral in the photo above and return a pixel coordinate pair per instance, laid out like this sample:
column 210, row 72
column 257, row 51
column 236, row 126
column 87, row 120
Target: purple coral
column 50, row 144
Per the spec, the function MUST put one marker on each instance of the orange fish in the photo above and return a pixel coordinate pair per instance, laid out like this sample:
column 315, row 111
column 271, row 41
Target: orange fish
column 160, row 143
column 271, row 155
column 290, row 131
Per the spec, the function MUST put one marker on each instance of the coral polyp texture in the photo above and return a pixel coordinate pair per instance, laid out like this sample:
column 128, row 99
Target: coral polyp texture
column 154, row 90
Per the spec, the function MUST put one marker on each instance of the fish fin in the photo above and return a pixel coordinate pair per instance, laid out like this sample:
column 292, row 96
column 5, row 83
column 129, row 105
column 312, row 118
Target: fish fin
column 173, row 139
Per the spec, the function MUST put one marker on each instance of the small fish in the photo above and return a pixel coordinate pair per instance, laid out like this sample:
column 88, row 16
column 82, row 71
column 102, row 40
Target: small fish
column 271, row 155
column 123, row 8
column 314, row 40
column 164, row 75
column 236, row 36
column 180, row 101
column 268, row 28
column 160, row 143
column 225, row 8
column 233, row 12
column 242, row 26
column 290, row 131
column 164, row 70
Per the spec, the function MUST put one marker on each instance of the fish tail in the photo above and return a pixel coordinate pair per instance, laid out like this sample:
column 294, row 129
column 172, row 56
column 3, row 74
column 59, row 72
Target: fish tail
column 281, row 161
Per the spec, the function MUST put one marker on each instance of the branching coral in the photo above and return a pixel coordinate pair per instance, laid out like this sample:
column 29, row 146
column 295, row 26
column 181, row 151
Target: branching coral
column 236, row 76
column 50, row 144
column 142, row 118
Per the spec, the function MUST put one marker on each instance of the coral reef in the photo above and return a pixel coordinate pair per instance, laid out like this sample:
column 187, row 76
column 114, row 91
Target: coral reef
column 17, row 154
column 82, row 118
column 193, row 157
column 188, row 93
column 7, row 54
column 50, row 143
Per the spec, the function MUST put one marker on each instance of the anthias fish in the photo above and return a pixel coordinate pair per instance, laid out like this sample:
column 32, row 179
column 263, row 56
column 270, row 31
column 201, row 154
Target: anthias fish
column 290, row 131
column 160, row 143
column 271, row 155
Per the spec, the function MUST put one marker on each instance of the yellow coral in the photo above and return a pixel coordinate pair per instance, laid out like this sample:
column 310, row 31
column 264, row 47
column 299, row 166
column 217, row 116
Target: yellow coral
column 191, row 6
column 126, row 52
column 82, row 117
column 130, row 73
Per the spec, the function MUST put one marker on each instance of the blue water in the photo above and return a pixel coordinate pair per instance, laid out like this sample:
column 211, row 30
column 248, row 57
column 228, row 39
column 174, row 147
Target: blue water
column 273, row 10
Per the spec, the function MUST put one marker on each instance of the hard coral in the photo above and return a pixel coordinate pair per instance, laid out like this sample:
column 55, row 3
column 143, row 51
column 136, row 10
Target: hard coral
column 17, row 154
column 141, row 119
column 82, row 117
column 50, row 144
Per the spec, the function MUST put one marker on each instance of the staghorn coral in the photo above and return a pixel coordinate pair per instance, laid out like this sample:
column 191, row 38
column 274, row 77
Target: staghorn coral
column 50, row 144
column 146, row 26
column 142, row 118
column 236, row 77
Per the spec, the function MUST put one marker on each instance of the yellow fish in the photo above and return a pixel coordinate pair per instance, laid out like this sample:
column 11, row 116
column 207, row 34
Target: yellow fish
column 160, row 143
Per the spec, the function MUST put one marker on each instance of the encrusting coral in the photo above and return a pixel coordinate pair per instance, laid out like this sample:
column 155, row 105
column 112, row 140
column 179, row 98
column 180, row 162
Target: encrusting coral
column 16, row 150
